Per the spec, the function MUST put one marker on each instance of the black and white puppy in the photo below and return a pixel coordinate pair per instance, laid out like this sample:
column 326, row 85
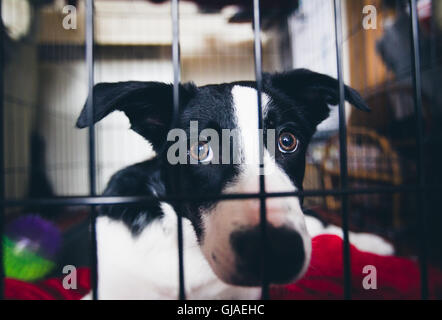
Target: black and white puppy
column 137, row 244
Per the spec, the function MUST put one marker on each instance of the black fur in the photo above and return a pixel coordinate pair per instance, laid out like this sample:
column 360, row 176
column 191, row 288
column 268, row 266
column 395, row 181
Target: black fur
column 141, row 179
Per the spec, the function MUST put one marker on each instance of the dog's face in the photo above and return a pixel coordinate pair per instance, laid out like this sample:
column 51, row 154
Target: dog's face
column 216, row 147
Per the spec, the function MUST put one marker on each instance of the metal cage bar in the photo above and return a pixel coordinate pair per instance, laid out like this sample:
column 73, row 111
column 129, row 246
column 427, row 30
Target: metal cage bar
column 92, row 161
column 342, row 149
column 2, row 166
column 113, row 200
column 176, row 109
column 262, row 199
column 420, row 160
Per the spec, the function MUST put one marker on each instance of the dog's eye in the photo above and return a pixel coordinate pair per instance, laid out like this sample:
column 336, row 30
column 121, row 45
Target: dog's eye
column 201, row 151
column 287, row 142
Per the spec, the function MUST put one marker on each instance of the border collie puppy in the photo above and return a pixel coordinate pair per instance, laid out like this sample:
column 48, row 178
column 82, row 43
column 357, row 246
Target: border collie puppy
column 137, row 244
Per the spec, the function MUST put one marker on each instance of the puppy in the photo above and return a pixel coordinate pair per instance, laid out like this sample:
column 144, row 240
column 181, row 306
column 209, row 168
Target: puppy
column 137, row 244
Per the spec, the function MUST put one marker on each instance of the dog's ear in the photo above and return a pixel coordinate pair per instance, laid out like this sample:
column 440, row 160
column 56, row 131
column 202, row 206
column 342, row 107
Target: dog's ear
column 148, row 105
column 314, row 90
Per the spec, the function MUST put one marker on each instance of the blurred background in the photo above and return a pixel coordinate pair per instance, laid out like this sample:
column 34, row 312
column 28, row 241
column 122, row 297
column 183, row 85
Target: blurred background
column 46, row 86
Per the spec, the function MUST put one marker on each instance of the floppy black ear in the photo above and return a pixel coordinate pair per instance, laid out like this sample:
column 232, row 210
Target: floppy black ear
column 148, row 105
column 315, row 91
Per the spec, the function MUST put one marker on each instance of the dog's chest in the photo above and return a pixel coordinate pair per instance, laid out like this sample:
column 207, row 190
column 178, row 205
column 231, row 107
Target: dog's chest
column 146, row 266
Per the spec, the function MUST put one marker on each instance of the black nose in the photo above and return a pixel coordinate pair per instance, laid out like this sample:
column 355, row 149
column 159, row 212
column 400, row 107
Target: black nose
column 284, row 260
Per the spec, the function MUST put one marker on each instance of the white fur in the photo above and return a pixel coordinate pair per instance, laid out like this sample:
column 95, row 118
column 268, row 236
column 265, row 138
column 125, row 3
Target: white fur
column 245, row 102
column 146, row 266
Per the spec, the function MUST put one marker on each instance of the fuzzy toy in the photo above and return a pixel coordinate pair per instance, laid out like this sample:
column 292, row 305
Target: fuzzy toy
column 30, row 246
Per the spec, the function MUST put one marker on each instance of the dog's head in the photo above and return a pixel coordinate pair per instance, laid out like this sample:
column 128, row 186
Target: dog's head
column 216, row 145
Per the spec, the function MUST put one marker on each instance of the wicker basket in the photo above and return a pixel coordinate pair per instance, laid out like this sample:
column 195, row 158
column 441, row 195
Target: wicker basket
column 371, row 162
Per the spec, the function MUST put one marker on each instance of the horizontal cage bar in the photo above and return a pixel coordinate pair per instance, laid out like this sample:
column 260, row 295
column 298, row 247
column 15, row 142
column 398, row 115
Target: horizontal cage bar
column 106, row 200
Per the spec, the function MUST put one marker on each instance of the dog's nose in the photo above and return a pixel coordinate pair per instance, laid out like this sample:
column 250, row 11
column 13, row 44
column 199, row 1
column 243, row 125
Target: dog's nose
column 284, row 260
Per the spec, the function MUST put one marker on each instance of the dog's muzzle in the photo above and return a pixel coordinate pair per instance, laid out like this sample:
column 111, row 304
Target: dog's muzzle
column 233, row 243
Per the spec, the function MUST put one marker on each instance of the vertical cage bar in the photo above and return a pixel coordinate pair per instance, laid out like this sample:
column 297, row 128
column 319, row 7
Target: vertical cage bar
column 262, row 198
column 342, row 149
column 420, row 161
column 2, row 166
column 92, row 162
column 176, row 109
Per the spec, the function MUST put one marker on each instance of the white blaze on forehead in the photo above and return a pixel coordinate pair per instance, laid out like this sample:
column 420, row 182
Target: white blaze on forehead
column 245, row 103
column 246, row 117
column 233, row 215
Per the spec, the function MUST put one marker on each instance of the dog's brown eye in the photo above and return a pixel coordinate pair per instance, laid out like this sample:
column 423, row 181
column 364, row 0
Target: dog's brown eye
column 201, row 151
column 287, row 142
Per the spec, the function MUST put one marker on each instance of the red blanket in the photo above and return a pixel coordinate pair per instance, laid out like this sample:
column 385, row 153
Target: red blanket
column 397, row 278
